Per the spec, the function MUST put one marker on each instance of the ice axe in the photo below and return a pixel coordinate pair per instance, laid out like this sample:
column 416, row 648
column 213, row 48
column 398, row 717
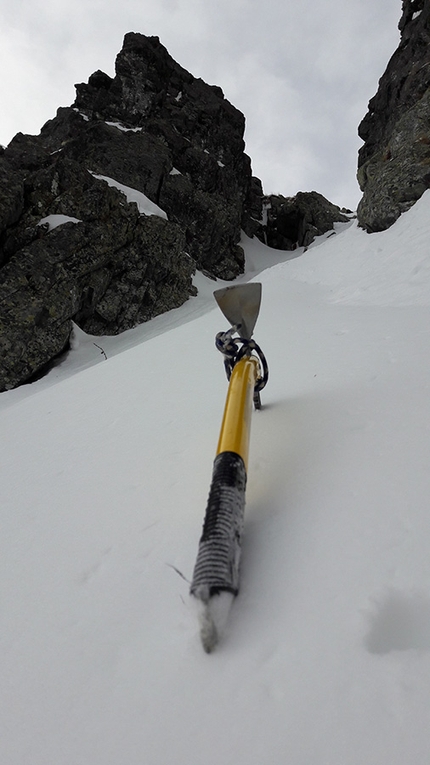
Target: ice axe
column 216, row 573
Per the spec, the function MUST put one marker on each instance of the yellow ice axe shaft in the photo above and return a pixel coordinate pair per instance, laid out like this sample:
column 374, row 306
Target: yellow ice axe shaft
column 236, row 424
column 218, row 558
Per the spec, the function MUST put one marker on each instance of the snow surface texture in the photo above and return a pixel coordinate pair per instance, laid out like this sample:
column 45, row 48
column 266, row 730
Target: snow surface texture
column 105, row 469
column 123, row 128
column 53, row 221
column 144, row 204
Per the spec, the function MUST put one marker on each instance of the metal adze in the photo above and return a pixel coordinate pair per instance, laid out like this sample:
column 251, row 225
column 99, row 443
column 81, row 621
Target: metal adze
column 240, row 304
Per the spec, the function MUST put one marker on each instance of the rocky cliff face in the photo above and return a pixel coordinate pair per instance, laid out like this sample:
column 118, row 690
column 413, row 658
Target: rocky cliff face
column 394, row 163
column 187, row 151
column 101, row 260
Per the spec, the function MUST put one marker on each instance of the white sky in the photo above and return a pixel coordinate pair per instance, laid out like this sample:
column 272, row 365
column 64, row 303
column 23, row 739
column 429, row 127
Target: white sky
column 301, row 72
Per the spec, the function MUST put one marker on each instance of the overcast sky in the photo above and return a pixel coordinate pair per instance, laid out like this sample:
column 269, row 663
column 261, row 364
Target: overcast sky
column 302, row 71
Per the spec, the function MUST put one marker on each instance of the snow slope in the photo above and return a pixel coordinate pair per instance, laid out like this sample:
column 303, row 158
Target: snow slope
column 105, row 468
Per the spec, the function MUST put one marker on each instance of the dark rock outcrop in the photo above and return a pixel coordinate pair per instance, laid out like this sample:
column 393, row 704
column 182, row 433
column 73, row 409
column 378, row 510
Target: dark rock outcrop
column 291, row 222
column 394, row 163
column 110, row 271
column 155, row 129
column 201, row 177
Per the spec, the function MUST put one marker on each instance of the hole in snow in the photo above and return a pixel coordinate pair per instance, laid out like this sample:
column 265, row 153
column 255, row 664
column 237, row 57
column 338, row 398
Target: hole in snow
column 400, row 623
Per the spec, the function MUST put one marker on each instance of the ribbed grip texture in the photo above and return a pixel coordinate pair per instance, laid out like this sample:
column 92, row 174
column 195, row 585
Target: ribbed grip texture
column 218, row 558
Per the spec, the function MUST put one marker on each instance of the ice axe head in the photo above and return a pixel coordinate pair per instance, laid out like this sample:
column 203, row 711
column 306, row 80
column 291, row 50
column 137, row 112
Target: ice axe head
column 240, row 304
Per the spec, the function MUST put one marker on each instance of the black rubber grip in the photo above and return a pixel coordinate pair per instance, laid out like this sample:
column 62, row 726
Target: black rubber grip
column 218, row 558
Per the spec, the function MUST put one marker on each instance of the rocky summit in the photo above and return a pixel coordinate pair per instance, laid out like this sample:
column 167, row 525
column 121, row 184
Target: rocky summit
column 76, row 239
column 394, row 162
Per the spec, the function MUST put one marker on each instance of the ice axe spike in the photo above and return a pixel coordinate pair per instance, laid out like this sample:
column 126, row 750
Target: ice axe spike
column 240, row 305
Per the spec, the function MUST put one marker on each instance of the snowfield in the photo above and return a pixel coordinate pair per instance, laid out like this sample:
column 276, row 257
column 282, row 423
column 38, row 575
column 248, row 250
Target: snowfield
column 105, row 469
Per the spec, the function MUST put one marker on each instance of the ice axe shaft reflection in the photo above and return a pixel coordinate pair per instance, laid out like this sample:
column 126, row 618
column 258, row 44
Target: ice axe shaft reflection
column 216, row 574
